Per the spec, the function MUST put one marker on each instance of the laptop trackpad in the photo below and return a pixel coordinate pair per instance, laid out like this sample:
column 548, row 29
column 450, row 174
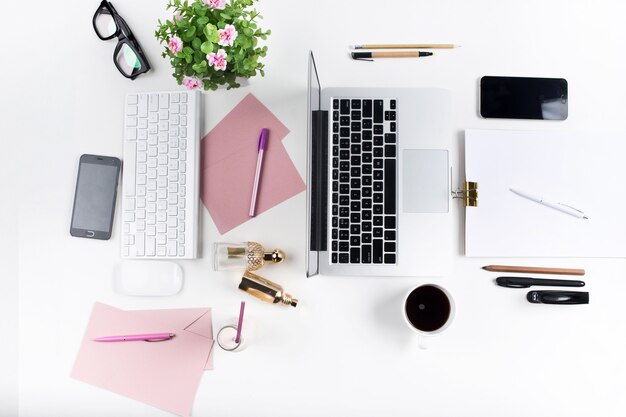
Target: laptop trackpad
column 425, row 182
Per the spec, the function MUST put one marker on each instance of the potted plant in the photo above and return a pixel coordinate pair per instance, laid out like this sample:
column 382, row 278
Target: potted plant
column 211, row 43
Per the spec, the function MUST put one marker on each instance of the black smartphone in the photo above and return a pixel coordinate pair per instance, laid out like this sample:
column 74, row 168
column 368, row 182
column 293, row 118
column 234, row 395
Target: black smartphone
column 94, row 198
column 523, row 98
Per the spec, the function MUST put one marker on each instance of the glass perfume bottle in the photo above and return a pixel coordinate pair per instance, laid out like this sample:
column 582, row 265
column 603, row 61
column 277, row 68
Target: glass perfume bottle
column 248, row 256
column 265, row 290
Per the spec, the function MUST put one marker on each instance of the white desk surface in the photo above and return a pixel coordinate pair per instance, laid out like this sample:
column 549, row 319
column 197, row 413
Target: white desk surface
column 345, row 349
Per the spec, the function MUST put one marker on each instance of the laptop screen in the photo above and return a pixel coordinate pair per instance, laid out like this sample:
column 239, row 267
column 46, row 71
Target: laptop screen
column 316, row 172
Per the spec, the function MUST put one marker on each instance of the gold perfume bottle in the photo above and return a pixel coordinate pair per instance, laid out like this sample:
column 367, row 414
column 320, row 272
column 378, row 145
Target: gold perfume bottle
column 244, row 255
column 265, row 289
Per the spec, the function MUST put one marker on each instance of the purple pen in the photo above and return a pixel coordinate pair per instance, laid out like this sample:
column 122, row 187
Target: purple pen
column 257, row 175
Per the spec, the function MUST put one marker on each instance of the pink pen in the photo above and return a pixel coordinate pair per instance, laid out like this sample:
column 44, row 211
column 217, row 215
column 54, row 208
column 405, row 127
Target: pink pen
column 148, row 337
column 257, row 175
column 240, row 323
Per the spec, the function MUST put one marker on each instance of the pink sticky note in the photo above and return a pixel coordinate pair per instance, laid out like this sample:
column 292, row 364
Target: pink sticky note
column 229, row 157
column 163, row 374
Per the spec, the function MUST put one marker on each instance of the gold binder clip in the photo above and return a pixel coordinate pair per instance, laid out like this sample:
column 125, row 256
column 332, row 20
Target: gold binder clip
column 469, row 194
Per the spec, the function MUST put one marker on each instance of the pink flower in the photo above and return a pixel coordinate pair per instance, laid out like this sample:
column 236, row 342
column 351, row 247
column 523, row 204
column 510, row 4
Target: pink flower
column 177, row 17
column 175, row 44
column 227, row 35
column 217, row 60
column 215, row 4
column 192, row 83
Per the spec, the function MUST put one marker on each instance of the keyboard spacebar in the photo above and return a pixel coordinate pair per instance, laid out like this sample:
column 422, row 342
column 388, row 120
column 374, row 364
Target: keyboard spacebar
column 390, row 186
column 128, row 175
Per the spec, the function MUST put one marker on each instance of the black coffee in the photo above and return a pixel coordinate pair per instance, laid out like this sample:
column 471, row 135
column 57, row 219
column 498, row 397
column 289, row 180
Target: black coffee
column 427, row 308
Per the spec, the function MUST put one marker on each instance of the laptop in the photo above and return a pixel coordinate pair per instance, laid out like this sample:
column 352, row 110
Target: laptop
column 378, row 180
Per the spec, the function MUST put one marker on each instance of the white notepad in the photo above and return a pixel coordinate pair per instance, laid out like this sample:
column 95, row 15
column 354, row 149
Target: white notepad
column 586, row 171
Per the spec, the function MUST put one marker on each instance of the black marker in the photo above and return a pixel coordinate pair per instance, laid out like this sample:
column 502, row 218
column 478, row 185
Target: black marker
column 519, row 282
column 558, row 297
column 390, row 54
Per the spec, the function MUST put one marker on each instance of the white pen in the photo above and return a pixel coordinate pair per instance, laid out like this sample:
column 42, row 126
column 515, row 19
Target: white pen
column 556, row 206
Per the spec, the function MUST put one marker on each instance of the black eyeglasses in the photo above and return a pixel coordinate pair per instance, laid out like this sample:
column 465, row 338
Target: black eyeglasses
column 128, row 55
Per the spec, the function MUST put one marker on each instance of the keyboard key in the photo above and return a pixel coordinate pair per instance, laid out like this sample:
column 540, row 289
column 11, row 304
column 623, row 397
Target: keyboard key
column 390, row 235
column 390, row 258
column 366, row 254
column 390, row 222
column 378, row 111
column 367, row 108
column 377, row 251
column 344, row 106
column 142, row 105
column 355, row 255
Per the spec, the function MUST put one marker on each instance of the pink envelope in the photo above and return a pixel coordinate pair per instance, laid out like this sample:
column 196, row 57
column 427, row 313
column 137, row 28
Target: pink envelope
column 163, row 374
column 229, row 157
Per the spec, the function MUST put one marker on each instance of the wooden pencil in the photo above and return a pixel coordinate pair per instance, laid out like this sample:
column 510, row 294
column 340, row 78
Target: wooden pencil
column 534, row 270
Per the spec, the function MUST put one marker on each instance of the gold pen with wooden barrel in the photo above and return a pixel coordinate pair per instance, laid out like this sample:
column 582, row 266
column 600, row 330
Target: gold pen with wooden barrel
column 408, row 46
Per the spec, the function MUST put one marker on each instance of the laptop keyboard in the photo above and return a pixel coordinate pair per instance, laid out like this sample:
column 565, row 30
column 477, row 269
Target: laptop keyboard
column 363, row 181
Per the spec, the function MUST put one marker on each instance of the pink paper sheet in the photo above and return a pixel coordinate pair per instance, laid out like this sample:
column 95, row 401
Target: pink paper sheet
column 229, row 156
column 163, row 374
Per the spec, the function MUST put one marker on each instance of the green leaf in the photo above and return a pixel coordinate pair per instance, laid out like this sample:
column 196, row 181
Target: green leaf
column 200, row 9
column 210, row 31
column 202, row 21
column 225, row 16
column 189, row 34
column 196, row 43
column 206, row 47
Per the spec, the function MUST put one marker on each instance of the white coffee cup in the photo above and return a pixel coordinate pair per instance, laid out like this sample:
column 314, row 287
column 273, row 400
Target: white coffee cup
column 428, row 310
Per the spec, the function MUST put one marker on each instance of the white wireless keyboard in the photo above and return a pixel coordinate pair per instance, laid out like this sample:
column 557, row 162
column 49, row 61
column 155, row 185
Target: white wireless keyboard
column 160, row 178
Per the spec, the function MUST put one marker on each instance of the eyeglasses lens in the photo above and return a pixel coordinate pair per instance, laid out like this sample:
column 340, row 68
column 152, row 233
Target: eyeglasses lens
column 127, row 60
column 105, row 24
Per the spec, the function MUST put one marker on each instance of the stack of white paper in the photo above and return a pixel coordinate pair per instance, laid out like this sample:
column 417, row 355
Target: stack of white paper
column 583, row 171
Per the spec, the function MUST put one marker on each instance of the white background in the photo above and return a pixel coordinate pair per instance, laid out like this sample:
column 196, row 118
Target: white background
column 344, row 350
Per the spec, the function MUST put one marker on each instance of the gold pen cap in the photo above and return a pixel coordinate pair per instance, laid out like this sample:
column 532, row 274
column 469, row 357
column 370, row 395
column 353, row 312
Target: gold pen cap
column 265, row 290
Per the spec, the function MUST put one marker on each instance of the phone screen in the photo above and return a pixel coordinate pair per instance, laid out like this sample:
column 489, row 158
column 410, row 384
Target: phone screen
column 94, row 199
column 523, row 98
